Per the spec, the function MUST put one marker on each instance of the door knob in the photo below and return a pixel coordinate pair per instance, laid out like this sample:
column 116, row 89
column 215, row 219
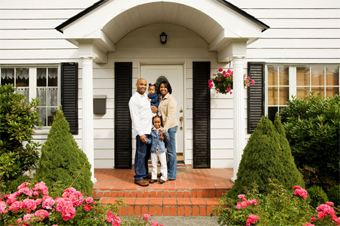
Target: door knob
column 181, row 120
column 180, row 110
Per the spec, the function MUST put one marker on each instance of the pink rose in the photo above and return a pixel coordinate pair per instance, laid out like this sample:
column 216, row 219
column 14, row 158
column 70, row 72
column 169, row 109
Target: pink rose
column 228, row 89
column 210, row 81
column 321, row 215
column 296, row 187
column 146, row 216
column 16, row 206
column 219, row 79
column 41, row 214
column 38, row 201
column 308, row 224
column 241, row 196
column 252, row 219
column 244, row 204
column 247, row 84
column 28, row 216
column 2, row 207
column 89, row 200
column 210, row 86
column 312, row 219
column 117, row 222
column 214, row 74
column 23, row 185
column 29, row 204
column 155, row 223
column 220, row 70
column 87, row 207
column 252, row 82
column 26, row 191
column 330, row 203
column 224, row 73
column 48, row 203
column 238, row 206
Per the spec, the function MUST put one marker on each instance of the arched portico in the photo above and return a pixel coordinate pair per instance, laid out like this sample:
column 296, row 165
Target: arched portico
column 226, row 31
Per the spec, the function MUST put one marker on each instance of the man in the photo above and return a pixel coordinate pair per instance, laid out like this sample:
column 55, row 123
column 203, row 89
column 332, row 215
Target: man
column 141, row 116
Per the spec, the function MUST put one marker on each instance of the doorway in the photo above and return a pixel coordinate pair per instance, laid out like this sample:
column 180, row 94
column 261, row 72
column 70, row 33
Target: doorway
column 174, row 75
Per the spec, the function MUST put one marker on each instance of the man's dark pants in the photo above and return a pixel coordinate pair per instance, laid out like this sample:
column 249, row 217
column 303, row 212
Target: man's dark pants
column 141, row 159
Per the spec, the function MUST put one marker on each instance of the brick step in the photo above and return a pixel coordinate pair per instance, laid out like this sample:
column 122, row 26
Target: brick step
column 166, row 206
column 159, row 192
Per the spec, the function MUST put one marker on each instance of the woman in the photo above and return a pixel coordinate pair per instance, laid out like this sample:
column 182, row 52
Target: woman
column 167, row 109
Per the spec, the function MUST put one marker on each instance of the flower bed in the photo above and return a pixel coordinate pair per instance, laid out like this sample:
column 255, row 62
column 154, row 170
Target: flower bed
column 34, row 206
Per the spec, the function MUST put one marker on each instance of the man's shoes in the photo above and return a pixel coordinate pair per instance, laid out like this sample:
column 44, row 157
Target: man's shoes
column 148, row 176
column 159, row 175
column 142, row 183
column 152, row 181
column 161, row 181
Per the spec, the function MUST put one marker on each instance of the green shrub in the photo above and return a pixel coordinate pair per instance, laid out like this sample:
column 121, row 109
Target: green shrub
column 277, row 207
column 334, row 195
column 62, row 160
column 13, row 185
column 18, row 153
column 317, row 195
column 312, row 128
column 267, row 155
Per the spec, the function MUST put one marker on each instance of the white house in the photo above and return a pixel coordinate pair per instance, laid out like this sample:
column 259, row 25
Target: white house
column 71, row 52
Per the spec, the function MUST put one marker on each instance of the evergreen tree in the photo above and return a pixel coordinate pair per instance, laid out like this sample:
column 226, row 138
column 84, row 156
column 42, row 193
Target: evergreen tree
column 62, row 160
column 266, row 156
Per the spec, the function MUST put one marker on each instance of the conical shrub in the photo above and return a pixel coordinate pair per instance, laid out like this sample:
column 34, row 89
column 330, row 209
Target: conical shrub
column 62, row 160
column 266, row 156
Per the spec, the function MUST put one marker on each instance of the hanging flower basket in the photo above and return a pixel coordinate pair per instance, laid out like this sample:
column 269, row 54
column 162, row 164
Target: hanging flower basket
column 222, row 82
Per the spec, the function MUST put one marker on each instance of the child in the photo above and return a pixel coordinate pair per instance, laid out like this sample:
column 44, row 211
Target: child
column 153, row 96
column 158, row 149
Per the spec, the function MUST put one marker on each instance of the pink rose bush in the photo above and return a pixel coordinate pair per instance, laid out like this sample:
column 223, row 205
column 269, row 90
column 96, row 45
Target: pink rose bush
column 223, row 81
column 32, row 205
column 278, row 207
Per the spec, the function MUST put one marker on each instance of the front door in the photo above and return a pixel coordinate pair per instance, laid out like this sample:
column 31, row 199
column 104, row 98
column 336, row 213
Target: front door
column 174, row 75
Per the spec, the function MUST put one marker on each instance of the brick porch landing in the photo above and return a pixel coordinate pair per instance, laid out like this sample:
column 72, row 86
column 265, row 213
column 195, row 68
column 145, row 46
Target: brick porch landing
column 194, row 193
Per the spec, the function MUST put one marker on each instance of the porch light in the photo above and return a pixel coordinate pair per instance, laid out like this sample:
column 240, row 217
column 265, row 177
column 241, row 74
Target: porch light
column 163, row 37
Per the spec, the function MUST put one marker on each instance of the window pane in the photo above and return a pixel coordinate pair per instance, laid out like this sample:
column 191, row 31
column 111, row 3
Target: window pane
column 22, row 77
column 271, row 112
column 272, row 96
column 272, row 76
column 332, row 76
column 41, row 77
column 7, row 76
column 302, row 76
column 301, row 92
column 317, row 76
column 52, row 77
column 331, row 91
column 42, row 114
column 41, row 96
column 24, row 91
column 51, row 113
column 284, row 95
column 52, row 95
column 318, row 89
column 284, row 76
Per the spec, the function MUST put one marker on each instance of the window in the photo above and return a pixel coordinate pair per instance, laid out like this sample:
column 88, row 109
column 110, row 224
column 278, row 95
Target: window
column 19, row 78
column 319, row 79
column 278, row 89
column 286, row 81
column 41, row 83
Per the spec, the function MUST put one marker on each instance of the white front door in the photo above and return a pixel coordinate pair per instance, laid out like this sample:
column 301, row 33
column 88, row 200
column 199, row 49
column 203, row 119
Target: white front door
column 174, row 74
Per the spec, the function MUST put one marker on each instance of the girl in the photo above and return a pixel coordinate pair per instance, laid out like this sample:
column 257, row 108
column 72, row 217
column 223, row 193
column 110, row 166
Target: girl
column 158, row 149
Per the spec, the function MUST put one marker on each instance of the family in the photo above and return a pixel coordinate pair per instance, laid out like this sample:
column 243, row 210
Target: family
column 155, row 125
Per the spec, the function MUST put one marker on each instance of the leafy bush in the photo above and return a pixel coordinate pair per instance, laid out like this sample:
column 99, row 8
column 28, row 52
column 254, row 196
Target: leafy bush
column 312, row 128
column 278, row 207
column 317, row 195
column 267, row 155
column 18, row 153
column 62, row 160
column 334, row 195
column 13, row 185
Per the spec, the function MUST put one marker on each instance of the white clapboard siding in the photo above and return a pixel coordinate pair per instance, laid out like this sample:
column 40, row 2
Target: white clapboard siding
column 295, row 43
column 25, row 24
column 294, row 13
column 33, row 44
column 303, row 23
column 29, row 14
column 42, row 5
column 288, row 4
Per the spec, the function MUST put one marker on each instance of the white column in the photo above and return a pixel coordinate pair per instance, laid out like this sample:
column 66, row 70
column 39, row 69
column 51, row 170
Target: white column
column 87, row 79
column 238, row 102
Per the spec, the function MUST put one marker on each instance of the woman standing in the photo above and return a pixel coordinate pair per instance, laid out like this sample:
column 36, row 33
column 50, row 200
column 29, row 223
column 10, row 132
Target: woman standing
column 167, row 109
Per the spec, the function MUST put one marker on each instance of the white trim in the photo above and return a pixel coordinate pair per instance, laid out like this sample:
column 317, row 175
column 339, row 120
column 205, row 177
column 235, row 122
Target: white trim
column 292, row 82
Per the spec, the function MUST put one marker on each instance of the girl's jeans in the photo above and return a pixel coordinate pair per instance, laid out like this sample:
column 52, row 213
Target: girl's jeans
column 171, row 157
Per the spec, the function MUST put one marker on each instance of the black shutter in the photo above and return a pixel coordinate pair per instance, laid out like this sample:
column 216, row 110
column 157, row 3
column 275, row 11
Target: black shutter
column 256, row 102
column 201, row 114
column 69, row 94
column 123, row 92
